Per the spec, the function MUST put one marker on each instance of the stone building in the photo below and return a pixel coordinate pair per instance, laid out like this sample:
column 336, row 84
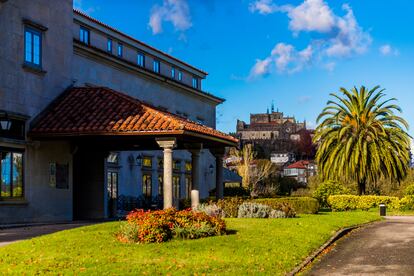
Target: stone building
column 274, row 135
column 89, row 114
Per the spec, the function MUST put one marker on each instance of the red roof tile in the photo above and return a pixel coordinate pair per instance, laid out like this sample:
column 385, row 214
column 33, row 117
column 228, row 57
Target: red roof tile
column 299, row 165
column 103, row 111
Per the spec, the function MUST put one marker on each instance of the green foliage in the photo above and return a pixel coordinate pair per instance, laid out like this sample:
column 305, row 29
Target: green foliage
column 236, row 191
column 253, row 210
column 163, row 225
column 361, row 138
column 353, row 202
column 210, row 209
column 409, row 190
column 300, row 205
column 327, row 189
column 407, row 203
column 230, row 206
column 273, row 247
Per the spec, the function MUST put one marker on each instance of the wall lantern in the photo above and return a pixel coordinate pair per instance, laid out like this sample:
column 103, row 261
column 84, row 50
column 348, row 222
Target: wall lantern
column 211, row 169
column 5, row 123
column 138, row 160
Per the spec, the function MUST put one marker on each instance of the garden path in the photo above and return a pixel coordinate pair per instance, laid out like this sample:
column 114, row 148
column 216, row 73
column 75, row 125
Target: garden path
column 384, row 248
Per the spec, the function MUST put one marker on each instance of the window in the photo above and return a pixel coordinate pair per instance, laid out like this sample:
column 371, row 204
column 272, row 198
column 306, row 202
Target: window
column 120, row 50
column 84, row 35
column 147, row 186
column 109, row 45
column 177, row 165
column 11, row 174
column 160, row 185
column 172, row 72
column 188, row 186
column 195, row 82
column 112, row 185
column 176, row 187
column 180, row 75
column 156, row 66
column 188, row 166
column 33, row 47
column 140, row 60
column 113, row 158
column 147, row 162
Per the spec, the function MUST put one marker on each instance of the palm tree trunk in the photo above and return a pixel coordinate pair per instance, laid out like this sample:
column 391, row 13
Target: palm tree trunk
column 362, row 187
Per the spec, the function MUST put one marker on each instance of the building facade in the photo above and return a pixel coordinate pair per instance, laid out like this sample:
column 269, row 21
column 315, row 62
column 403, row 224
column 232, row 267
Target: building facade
column 300, row 171
column 90, row 115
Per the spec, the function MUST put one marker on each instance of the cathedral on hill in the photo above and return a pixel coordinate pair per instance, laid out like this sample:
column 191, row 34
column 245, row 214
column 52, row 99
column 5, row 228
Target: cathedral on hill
column 277, row 137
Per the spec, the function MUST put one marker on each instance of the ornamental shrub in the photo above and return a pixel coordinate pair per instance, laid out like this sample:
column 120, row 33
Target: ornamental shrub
column 409, row 190
column 353, row 202
column 254, row 210
column 407, row 203
column 163, row 225
column 298, row 205
column 210, row 209
column 277, row 214
column 230, row 206
column 326, row 189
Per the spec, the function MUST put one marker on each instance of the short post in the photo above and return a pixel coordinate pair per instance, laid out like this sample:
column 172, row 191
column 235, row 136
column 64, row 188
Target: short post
column 383, row 210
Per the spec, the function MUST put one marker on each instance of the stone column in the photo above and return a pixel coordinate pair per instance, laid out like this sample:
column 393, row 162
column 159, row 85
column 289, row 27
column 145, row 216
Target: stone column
column 195, row 177
column 219, row 175
column 168, row 144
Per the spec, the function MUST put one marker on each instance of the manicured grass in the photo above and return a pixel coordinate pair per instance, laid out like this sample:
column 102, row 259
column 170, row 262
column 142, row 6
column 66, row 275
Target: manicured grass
column 267, row 246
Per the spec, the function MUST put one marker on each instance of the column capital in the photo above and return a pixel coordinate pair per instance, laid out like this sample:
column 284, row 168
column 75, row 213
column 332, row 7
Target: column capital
column 166, row 143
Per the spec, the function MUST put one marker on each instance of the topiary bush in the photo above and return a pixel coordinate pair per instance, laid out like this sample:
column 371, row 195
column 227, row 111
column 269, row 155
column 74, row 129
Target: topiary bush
column 254, row 210
column 326, row 189
column 407, row 203
column 163, row 225
column 353, row 202
column 299, row 205
column 210, row 209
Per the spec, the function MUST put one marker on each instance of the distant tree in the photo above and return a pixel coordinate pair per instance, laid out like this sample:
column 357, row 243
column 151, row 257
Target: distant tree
column 252, row 170
column 361, row 139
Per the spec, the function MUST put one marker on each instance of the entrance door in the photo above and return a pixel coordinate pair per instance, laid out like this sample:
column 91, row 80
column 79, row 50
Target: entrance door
column 112, row 193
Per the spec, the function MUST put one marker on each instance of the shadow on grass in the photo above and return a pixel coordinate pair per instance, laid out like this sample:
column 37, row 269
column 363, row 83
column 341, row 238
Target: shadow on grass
column 231, row 232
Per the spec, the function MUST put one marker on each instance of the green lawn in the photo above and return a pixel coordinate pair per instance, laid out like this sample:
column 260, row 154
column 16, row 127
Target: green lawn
column 268, row 246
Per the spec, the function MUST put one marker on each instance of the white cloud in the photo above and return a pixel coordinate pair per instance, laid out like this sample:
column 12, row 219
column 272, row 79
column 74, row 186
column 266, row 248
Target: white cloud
column 350, row 38
column 341, row 36
column 284, row 58
column 388, row 50
column 264, row 7
column 176, row 12
column 311, row 15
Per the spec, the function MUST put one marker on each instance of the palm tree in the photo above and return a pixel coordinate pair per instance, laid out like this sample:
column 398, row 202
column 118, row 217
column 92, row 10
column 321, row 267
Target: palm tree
column 361, row 139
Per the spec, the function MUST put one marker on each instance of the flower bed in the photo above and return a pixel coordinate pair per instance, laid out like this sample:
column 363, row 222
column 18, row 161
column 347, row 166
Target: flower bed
column 163, row 225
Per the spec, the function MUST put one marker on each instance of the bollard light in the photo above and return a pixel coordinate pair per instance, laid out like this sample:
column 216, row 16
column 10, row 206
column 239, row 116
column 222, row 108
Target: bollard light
column 383, row 210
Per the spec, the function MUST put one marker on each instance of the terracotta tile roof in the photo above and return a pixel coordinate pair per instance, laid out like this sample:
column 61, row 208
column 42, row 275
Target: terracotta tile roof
column 299, row 165
column 103, row 111
column 136, row 40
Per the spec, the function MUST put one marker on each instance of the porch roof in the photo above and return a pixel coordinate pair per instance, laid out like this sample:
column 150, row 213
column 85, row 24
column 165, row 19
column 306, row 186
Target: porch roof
column 100, row 111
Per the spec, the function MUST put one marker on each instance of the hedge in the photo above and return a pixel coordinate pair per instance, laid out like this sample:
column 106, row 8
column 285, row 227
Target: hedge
column 302, row 205
column 353, row 202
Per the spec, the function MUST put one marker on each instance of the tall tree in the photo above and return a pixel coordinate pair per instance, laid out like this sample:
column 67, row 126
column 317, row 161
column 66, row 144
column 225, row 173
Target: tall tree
column 360, row 138
column 253, row 171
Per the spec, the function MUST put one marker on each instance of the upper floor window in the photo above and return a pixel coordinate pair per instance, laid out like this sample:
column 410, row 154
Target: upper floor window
column 156, row 66
column 147, row 162
column 109, row 45
column 84, row 35
column 113, row 158
column 173, row 72
column 141, row 59
column 33, row 47
column 11, row 173
column 120, row 50
column 180, row 75
column 195, row 82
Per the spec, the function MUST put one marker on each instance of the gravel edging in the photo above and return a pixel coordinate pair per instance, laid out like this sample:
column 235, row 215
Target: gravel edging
column 339, row 234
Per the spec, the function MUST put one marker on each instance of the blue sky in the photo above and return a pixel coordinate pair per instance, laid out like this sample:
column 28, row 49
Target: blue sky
column 291, row 52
